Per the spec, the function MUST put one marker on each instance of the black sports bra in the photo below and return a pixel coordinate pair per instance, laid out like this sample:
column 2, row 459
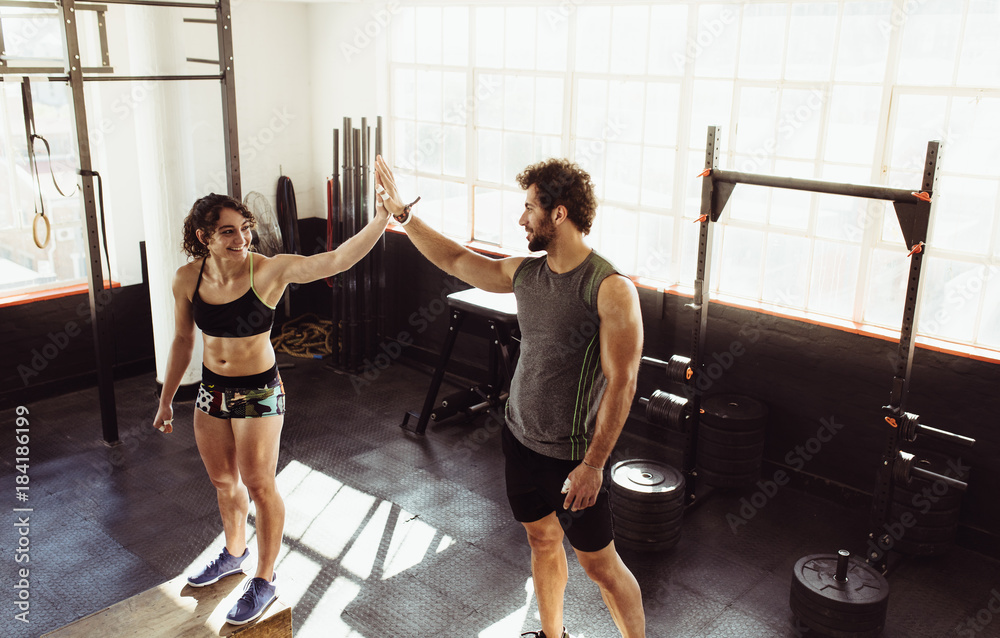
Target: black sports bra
column 242, row 317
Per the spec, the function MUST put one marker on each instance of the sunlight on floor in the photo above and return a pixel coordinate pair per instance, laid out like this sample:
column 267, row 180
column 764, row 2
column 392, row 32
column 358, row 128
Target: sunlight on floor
column 512, row 624
column 365, row 537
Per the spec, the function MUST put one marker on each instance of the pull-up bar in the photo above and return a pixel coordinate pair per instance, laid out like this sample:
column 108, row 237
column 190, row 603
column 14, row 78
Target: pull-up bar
column 913, row 211
column 813, row 185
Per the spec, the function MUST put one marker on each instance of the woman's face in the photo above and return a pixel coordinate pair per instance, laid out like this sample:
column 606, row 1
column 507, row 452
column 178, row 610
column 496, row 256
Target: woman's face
column 232, row 237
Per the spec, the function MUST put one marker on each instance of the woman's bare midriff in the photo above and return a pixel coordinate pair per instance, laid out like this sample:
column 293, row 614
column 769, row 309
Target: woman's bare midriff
column 240, row 356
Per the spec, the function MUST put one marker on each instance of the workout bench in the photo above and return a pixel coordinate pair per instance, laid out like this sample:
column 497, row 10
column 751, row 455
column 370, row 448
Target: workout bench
column 500, row 311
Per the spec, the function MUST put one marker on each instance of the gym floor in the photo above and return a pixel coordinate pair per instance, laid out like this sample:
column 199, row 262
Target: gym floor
column 391, row 534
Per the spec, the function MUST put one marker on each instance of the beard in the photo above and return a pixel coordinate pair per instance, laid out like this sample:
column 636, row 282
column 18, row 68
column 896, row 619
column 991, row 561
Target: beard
column 542, row 236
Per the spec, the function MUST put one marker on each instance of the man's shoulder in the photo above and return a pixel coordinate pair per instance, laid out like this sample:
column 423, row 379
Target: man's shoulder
column 602, row 264
column 528, row 264
column 616, row 292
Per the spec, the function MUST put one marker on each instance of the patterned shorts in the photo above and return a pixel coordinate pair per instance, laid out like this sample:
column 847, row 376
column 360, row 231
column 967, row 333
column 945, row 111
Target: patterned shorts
column 250, row 397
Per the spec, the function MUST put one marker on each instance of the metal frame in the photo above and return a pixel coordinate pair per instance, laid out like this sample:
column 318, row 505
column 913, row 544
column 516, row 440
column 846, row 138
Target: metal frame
column 100, row 9
column 913, row 212
column 75, row 76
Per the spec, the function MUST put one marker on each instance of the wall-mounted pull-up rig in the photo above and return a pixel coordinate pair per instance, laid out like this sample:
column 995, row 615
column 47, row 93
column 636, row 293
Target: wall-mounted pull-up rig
column 913, row 210
column 73, row 73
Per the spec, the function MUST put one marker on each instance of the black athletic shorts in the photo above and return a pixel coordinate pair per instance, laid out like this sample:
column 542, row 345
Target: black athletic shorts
column 534, row 490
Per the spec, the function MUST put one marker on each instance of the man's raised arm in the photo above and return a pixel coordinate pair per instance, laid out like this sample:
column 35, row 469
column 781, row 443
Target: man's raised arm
column 492, row 275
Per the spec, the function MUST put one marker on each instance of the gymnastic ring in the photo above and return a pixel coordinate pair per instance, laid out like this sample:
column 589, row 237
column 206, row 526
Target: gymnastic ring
column 34, row 230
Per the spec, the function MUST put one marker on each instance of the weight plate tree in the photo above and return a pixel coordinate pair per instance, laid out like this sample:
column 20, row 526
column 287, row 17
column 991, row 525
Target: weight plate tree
column 731, row 440
column 647, row 502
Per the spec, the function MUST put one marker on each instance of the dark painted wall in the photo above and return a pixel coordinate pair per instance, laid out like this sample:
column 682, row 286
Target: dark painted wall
column 48, row 346
column 804, row 372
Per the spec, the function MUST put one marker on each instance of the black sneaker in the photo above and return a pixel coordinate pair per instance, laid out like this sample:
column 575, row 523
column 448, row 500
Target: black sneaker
column 541, row 634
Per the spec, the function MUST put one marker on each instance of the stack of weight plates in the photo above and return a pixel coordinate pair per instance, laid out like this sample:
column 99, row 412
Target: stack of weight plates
column 731, row 440
column 851, row 609
column 647, row 500
column 933, row 505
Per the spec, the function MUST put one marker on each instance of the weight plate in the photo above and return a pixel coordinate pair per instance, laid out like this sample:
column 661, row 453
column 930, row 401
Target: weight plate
column 646, row 547
column 832, row 631
column 641, row 528
column 639, row 538
column 728, row 481
column 666, row 409
column 647, row 511
column 800, row 596
column 734, row 412
column 864, row 590
column 730, row 451
column 638, row 514
column 646, row 503
column 646, row 477
column 845, row 621
column 937, row 462
column 921, row 495
column 930, row 518
column 659, row 502
column 931, row 534
column 709, row 433
column 920, row 549
column 727, row 466
column 645, row 498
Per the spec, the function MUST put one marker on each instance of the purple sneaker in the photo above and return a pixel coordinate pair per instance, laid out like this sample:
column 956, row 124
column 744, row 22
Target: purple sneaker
column 225, row 565
column 255, row 599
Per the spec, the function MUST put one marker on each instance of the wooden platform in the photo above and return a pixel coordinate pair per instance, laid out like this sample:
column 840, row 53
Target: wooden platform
column 175, row 609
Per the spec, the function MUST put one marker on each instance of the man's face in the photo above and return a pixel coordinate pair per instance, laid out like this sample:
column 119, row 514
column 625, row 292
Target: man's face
column 537, row 222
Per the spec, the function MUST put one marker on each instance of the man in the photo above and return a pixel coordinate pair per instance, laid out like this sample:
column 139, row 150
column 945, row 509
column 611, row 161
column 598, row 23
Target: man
column 581, row 342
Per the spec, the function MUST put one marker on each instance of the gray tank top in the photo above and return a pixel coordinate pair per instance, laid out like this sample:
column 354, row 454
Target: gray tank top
column 558, row 382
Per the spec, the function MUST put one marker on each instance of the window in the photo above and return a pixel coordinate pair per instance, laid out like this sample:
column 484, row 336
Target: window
column 33, row 39
column 844, row 90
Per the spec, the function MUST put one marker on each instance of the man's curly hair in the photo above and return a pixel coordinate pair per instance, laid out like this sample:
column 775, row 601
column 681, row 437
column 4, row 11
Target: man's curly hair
column 204, row 216
column 560, row 182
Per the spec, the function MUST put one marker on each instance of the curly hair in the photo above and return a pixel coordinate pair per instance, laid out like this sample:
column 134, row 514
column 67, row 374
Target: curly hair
column 204, row 216
column 560, row 182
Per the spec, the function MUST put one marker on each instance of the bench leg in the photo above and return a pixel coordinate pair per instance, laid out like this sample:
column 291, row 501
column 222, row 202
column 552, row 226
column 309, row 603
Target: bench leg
column 457, row 316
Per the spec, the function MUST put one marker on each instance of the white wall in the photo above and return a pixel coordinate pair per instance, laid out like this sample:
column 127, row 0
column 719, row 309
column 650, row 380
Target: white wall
column 347, row 46
column 274, row 80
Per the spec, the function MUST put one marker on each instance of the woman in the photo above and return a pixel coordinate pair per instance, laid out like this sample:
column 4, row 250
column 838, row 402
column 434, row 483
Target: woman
column 230, row 294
